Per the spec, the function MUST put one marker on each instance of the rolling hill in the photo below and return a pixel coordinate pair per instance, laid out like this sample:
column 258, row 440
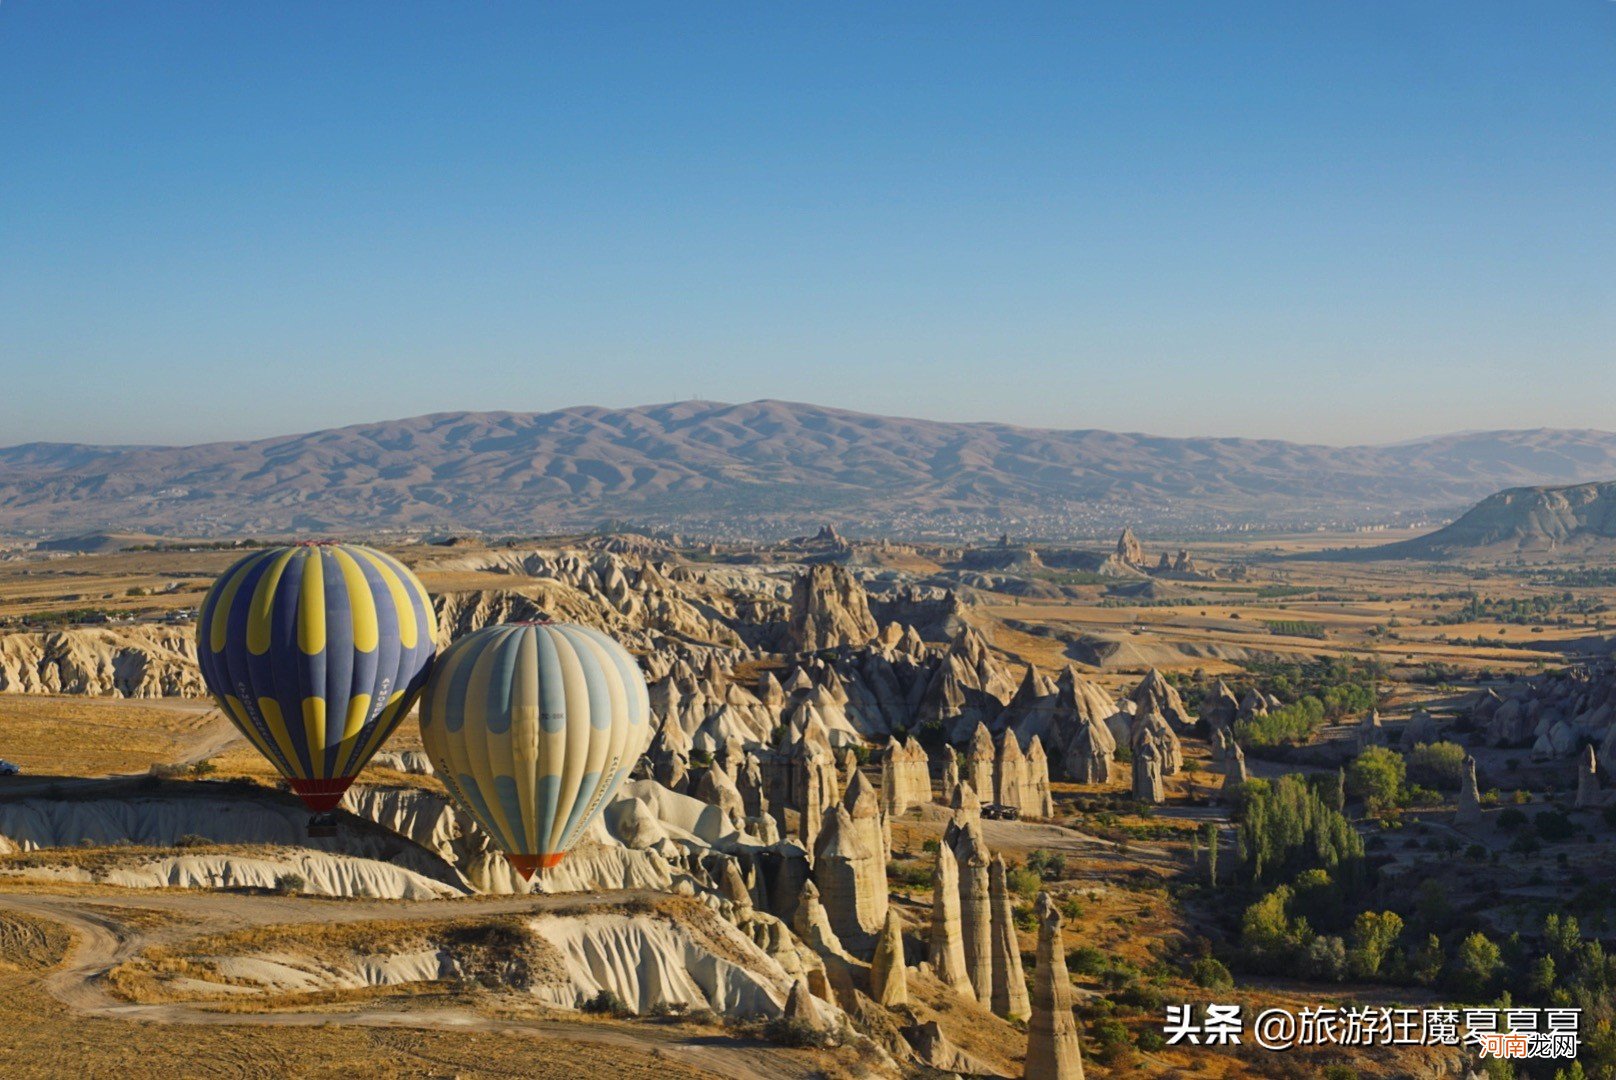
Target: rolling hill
column 1576, row 520
column 770, row 464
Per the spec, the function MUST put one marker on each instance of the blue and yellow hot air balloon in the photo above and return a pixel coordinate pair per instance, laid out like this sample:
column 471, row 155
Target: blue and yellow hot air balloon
column 316, row 652
column 533, row 727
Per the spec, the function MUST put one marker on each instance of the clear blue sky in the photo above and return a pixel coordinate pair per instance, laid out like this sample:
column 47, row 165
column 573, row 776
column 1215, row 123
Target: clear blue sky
column 1339, row 222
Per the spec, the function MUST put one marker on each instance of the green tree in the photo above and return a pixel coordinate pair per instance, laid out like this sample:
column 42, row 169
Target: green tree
column 1371, row 939
column 1377, row 776
column 1211, row 828
column 1270, row 937
column 1425, row 963
column 1475, row 967
column 1438, row 765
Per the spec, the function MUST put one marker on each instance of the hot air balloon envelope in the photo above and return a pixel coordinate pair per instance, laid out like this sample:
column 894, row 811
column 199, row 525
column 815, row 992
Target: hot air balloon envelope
column 533, row 727
column 316, row 652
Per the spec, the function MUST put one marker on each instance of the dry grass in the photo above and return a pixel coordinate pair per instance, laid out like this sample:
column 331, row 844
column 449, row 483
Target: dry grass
column 90, row 736
column 31, row 944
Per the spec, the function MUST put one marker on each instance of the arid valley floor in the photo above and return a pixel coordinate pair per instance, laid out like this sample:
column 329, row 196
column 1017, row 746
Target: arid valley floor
column 163, row 911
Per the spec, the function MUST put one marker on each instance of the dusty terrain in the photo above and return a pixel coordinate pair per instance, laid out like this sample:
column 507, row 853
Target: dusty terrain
column 117, row 935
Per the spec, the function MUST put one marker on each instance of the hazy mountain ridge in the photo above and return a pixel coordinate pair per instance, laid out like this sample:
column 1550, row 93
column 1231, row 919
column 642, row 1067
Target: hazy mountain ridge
column 767, row 460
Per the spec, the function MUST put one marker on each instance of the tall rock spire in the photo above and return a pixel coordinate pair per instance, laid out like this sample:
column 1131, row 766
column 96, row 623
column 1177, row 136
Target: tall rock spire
column 1053, row 1050
column 947, row 938
column 1009, row 997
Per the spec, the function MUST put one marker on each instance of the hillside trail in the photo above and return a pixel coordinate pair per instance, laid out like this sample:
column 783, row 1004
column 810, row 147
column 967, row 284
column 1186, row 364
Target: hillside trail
column 104, row 937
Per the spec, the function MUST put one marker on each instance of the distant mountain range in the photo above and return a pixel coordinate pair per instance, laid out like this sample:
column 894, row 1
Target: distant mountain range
column 1560, row 521
column 765, row 465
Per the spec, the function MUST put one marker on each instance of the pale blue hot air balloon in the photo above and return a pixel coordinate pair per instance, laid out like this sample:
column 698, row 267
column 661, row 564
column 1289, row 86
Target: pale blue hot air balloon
column 533, row 727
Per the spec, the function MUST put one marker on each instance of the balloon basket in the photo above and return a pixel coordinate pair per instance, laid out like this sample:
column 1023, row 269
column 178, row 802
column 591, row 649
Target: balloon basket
column 322, row 825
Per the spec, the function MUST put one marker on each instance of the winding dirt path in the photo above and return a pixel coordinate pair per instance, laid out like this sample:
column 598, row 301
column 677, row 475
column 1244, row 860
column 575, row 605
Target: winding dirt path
column 105, row 938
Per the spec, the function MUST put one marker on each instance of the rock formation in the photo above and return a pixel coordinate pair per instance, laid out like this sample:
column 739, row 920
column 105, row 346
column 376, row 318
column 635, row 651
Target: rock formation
column 889, row 982
column 800, row 1007
column 1130, row 552
column 905, row 781
column 979, row 758
column 1010, row 773
column 816, row 779
column 1053, row 1049
column 1234, row 771
column 1155, row 694
column 1370, row 731
column 1040, row 798
column 947, row 952
column 932, row 1047
column 1009, row 996
column 976, row 912
column 1219, row 708
column 863, row 806
column 1421, row 728
column 1089, row 753
column 1147, row 774
column 140, row 661
column 829, row 608
column 719, row 790
column 852, row 877
column 1150, row 727
column 1469, row 796
column 1588, row 780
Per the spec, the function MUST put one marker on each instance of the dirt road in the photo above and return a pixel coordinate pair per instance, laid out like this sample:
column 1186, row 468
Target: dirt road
column 106, row 936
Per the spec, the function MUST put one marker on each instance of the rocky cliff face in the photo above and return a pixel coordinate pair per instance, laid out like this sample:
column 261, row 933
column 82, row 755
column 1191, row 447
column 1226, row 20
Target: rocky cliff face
column 1522, row 521
column 829, row 608
column 137, row 661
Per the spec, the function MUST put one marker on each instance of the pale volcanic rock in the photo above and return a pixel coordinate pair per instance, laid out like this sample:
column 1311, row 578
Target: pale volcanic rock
column 717, row 789
column 889, row 982
column 811, row 922
column 913, row 769
column 829, row 608
column 894, row 799
column 1234, row 772
column 1149, row 728
column 1053, row 1049
column 1220, row 708
column 1009, row 996
column 852, row 877
column 800, row 1007
column 1370, row 731
column 1155, row 694
column 1032, row 709
column 1078, row 702
column 1010, row 773
column 1469, row 796
column 1041, row 796
column 979, row 760
column 947, row 952
column 1421, row 728
column 754, row 788
column 1090, row 752
column 1147, row 774
column 933, row 1048
column 965, row 804
column 733, row 888
column 1129, row 550
column 136, row 661
column 863, row 806
column 1588, row 780
column 976, row 913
